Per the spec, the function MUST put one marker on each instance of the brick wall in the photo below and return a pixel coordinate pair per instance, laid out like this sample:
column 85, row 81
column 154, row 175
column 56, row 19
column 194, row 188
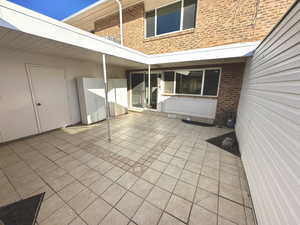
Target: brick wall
column 218, row 22
column 229, row 92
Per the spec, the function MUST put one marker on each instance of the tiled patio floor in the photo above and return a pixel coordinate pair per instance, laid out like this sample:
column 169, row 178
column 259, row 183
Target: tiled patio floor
column 155, row 171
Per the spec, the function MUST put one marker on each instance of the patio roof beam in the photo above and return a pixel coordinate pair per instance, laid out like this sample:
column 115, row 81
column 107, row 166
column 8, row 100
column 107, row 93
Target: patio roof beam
column 106, row 96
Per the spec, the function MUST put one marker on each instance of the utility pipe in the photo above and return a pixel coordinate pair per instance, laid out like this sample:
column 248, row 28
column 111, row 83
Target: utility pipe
column 121, row 20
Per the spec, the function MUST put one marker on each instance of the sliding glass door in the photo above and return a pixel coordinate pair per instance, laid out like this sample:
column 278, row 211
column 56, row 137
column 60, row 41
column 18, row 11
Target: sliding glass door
column 138, row 90
column 143, row 96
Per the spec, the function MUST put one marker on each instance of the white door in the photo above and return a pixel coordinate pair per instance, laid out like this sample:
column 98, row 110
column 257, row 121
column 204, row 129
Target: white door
column 49, row 96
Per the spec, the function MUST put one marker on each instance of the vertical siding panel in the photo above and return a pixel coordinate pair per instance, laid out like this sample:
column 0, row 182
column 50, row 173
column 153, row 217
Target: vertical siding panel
column 268, row 124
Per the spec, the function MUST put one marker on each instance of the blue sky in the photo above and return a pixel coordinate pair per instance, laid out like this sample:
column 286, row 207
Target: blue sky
column 57, row 9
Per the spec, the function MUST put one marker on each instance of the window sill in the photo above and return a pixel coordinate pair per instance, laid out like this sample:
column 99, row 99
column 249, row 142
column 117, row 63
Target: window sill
column 168, row 35
column 189, row 96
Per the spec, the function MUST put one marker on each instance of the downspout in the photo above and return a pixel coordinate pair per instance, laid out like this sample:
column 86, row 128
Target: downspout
column 121, row 20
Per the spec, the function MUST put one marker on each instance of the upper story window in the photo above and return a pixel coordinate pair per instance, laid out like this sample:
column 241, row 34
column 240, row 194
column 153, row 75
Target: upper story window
column 177, row 16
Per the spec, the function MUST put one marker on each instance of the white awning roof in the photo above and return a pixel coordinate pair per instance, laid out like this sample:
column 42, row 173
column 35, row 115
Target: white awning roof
column 19, row 21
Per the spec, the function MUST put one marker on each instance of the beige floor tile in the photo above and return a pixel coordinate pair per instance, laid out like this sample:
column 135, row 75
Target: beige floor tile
column 209, row 184
column 151, row 175
column 206, row 200
column 141, row 188
column 173, row 171
column 127, row 180
column 178, row 162
column 113, row 194
column 200, row 214
column 165, row 158
column 82, row 200
column 101, row 185
column 159, row 165
column 231, row 193
column 166, row 182
column 62, row 216
column 95, row 212
column 147, row 214
column 115, row 173
column 104, row 167
column 78, row 221
column 49, row 206
column 222, row 221
column 210, row 172
column 89, row 177
column 227, row 178
column 71, row 190
column 115, row 218
column 61, row 182
column 185, row 190
column 167, row 219
column 179, row 208
column 232, row 211
column 163, row 148
column 189, row 177
column 129, row 204
column 79, row 171
column 159, row 197
column 193, row 167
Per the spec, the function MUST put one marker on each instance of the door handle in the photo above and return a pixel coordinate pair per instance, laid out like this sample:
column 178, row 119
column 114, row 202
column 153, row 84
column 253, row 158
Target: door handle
column 38, row 104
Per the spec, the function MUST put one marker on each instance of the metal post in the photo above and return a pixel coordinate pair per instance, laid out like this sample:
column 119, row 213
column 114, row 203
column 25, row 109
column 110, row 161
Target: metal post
column 149, row 86
column 121, row 20
column 106, row 97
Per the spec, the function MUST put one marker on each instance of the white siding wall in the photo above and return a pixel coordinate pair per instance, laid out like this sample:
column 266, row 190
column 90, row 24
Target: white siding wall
column 268, row 125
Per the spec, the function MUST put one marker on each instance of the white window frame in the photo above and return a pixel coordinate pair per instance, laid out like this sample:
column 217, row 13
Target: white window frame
column 202, row 87
column 155, row 20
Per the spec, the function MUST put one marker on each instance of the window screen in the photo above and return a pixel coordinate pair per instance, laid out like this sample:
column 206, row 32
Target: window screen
column 189, row 83
column 168, row 18
column 150, row 23
column 211, row 82
column 189, row 12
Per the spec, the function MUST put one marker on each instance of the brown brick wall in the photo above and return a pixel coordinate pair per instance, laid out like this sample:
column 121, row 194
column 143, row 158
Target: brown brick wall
column 230, row 88
column 218, row 22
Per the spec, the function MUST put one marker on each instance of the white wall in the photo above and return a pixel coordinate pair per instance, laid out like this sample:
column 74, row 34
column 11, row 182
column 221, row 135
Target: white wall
column 17, row 117
column 268, row 124
column 190, row 106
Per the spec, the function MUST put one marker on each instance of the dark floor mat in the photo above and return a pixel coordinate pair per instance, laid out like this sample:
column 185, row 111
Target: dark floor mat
column 198, row 123
column 217, row 141
column 23, row 212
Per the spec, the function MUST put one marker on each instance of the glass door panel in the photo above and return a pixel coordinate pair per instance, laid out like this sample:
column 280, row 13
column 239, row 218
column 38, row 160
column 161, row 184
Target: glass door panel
column 153, row 90
column 138, row 90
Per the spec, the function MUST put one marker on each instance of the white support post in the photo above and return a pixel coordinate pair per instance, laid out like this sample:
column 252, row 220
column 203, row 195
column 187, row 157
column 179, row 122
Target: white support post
column 149, row 86
column 106, row 97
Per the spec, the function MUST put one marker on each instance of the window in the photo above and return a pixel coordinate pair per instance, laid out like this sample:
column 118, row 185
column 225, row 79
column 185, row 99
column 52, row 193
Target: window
column 169, row 82
column 150, row 23
column 189, row 82
column 203, row 82
column 178, row 16
column 189, row 14
column 211, row 82
column 168, row 18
